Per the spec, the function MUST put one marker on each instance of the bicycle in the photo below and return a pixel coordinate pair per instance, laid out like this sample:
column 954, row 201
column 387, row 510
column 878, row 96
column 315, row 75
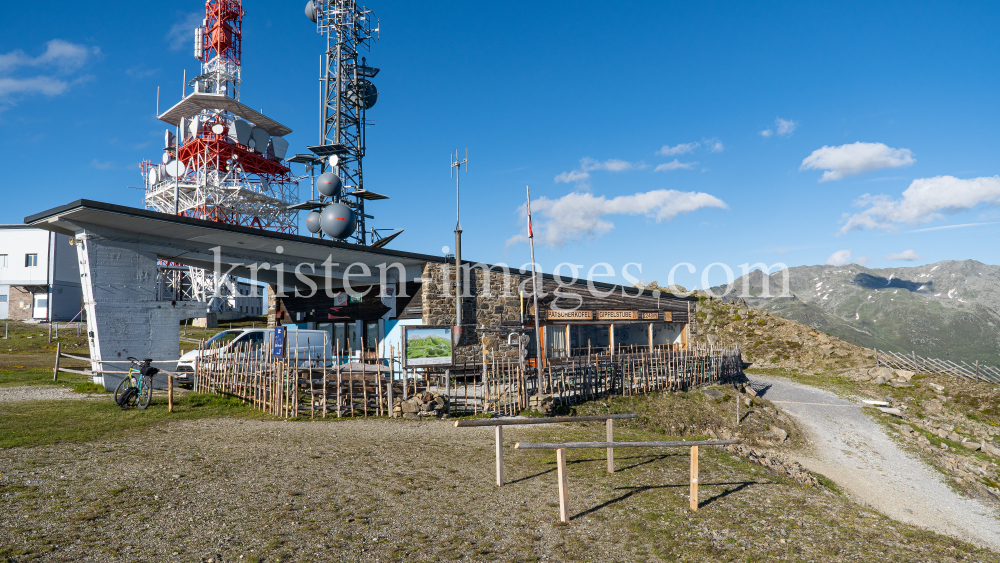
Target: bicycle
column 136, row 390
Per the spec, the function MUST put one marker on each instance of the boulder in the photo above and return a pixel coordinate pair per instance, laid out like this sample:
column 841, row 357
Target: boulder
column 880, row 380
column 904, row 374
column 971, row 445
column 887, row 373
column 713, row 393
column 989, row 448
column 933, row 406
column 779, row 433
column 410, row 406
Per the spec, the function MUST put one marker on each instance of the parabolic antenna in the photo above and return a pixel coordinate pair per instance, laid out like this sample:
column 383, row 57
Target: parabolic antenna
column 175, row 168
column 364, row 94
column 312, row 221
column 166, row 158
column 154, row 177
column 279, row 146
column 311, row 11
column 218, row 129
column 338, row 221
column 334, row 160
column 329, row 184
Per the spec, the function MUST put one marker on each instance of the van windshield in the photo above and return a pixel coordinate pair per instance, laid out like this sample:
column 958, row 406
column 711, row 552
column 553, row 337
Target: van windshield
column 222, row 339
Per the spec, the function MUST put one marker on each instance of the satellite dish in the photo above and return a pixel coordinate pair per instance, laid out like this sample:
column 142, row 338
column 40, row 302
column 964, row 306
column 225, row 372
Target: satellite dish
column 154, row 176
column 260, row 138
column 280, row 146
column 175, row 168
column 218, row 129
column 338, row 221
column 311, row 12
column 334, row 160
column 195, row 127
column 169, row 139
column 166, row 157
column 312, row 222
column 364, row 94
column 329, row 184
column 243, row 131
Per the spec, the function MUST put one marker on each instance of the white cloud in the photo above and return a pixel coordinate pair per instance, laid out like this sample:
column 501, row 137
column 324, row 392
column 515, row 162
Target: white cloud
column 784, row 127
column 588, row 165
column 48, row 74
column 576, row 215
column 102, row 165
column 683, row 148
column 925, row 200
column 714, row 145
column 857, row 158
column 766, row 133
column 675, row 165
column 908, row 255
column 839, row 258
column 181, row 34
column 571, row 177
column 862, row 260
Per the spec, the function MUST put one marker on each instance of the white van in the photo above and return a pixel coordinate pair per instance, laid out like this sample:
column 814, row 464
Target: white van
column 308, row 346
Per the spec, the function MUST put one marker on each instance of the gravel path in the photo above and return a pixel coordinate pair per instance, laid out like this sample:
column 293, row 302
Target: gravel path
column 856, row 453
column 41, row 393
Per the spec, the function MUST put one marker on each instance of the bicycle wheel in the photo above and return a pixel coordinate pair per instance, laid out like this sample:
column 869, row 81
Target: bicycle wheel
column 145, row 393
column 125, row 384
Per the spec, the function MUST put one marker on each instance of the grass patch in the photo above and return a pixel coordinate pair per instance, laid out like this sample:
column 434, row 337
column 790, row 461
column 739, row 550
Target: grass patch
column 35, row 423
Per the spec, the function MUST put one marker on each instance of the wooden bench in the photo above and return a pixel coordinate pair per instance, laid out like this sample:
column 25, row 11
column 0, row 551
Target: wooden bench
column 561, row 461
column 499, row 423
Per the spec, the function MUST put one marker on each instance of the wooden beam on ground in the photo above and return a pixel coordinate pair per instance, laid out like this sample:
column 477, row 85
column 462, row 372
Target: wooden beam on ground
column 548, row 420
column 611, row 451
column 581, row 445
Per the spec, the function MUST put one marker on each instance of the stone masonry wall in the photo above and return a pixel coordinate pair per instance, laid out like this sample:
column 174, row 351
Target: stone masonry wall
column 487, row 304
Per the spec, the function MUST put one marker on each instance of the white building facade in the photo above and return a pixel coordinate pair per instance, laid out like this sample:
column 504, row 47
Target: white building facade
column 39, row 275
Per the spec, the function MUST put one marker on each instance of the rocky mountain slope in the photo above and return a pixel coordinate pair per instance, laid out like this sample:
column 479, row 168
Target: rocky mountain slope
column 944, row 310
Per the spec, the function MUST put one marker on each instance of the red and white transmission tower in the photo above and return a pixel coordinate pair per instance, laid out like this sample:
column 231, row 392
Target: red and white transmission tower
column 224, row 161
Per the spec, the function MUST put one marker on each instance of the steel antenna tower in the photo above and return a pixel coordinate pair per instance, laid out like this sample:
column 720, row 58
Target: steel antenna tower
column 346, row 95
column 224, row 161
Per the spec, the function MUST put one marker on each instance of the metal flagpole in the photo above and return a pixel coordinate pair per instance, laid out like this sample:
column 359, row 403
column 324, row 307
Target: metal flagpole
column 534, row 290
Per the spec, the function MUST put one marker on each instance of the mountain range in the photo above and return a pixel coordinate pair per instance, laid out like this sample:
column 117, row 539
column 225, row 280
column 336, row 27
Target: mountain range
column 943, row 310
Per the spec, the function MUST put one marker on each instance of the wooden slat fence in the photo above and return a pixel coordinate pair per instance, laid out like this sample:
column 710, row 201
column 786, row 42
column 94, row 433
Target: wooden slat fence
column 320, row 386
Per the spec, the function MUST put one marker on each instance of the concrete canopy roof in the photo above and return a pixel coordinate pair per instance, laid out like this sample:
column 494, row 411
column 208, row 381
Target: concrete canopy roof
column 197, row 242
column 188, row 241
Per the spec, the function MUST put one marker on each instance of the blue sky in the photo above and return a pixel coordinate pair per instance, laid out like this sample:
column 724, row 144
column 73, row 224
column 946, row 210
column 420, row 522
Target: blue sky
column 654, row 133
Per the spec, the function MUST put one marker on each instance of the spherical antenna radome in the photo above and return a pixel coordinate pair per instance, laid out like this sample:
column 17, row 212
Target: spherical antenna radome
column 338, row 221
column 329, row 184
column 313, row 222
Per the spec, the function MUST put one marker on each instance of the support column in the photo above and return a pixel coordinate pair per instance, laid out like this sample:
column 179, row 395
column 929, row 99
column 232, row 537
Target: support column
column 124, row 317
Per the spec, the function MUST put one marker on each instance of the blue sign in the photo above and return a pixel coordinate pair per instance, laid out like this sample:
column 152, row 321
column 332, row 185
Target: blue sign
column 279, row 342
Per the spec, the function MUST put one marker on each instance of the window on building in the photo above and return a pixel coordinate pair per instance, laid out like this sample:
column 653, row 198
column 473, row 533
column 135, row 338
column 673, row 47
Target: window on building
column 3, row 260
column 3, row 298
column 30, row 260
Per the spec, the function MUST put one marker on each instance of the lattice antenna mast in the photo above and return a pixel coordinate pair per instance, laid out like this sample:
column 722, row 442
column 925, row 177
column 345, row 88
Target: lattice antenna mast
column 221, row 38
column 346, row 92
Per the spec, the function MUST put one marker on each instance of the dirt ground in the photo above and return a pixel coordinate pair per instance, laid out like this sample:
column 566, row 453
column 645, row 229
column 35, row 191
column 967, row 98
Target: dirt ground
column 233, row 489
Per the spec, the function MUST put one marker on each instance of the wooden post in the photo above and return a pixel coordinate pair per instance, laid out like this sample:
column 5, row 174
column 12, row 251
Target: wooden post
column 563, row 493
column 55, row 370
column 389, row 398
column 611, row 451
column 499, row 436
column 170, row 393
column 694, row 478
